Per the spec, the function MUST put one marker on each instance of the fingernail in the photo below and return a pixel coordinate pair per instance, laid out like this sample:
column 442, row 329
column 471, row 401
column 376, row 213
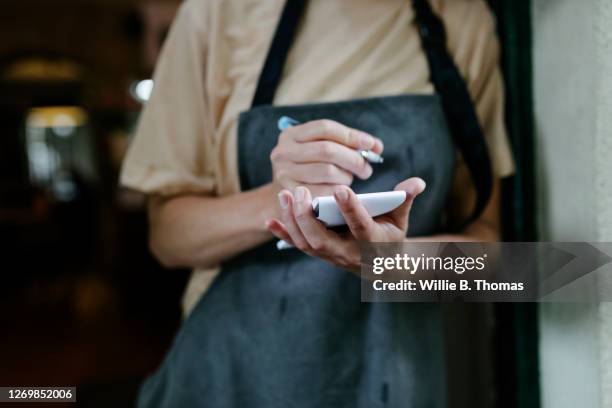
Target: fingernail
column 379, row 143
column 341, row 194
column 368, row 171
column 417, row 188
column 283, row 200
column 300, row 194
column 422, row 185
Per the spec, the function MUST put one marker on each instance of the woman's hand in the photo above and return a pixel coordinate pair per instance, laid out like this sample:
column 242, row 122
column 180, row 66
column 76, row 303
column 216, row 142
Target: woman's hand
column 299, row 227
column 321, row 154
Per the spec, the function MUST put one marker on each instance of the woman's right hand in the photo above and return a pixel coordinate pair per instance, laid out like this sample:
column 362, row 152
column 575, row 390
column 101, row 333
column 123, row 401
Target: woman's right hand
column 321, row 154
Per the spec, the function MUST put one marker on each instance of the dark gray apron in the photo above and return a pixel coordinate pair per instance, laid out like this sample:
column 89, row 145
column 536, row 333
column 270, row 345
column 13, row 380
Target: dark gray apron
column 282, row 329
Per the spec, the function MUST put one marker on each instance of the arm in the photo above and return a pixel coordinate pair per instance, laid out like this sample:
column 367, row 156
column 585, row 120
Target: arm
column 200, row 231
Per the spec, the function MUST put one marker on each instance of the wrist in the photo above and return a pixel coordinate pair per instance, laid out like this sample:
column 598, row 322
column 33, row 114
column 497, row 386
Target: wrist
column 267, row 204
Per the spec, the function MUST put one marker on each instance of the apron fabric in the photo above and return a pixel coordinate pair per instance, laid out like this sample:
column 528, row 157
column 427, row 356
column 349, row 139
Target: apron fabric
column 282, row 329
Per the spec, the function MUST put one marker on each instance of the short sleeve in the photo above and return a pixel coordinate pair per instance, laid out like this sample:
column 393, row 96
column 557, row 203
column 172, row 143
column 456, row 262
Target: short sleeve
column 474, row 44
column 172, row 150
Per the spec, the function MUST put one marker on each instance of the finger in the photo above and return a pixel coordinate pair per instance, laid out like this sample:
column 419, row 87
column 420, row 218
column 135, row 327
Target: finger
column 321, row 190
column 285, row 178
column 356, row 216
column 319, row 173
column 314, row 231
column 413, row 187
column 278, row 229
column 379, row 146
column 326, row 129
column 330, row 152
column 295, row 235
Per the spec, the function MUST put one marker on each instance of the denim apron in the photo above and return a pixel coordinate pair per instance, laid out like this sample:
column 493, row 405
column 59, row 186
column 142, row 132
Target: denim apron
column 282, row 329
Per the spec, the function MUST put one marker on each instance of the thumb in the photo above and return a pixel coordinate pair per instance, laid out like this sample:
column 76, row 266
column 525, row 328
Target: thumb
column 413, row 187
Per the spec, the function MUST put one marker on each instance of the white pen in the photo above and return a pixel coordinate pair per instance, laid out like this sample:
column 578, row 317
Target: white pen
column 286, row 122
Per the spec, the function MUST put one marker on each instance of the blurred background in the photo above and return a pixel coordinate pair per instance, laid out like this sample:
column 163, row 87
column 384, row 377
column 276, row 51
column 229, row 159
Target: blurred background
column 83, row 303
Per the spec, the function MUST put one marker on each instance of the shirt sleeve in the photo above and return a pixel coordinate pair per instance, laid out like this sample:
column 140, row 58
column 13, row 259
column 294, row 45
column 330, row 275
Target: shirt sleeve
column 172, row 150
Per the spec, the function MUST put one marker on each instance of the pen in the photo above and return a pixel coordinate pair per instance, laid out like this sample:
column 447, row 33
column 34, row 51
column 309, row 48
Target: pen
column 286, row 122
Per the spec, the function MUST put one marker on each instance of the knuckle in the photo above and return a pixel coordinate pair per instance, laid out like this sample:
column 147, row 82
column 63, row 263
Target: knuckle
column 284, row 135
column 347, row 178
column 351, row 137
column 362, row 230
column 329, row 170
column 319, row 245
column 301, row 216
column 362, row 140
column 302, row 245
column 326, row 125
column 326, row 151
column 349, row 211
column 276, row 154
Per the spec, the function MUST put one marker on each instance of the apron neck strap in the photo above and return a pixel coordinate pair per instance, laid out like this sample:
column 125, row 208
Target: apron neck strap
column 458, row 106
column 277, row 54
column 459, row 110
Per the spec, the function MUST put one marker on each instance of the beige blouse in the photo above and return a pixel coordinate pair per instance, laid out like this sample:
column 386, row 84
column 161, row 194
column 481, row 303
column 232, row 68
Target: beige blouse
column 207, row 72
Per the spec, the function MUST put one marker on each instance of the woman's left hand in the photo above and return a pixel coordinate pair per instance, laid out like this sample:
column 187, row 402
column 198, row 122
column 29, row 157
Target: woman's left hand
column 299, row 227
